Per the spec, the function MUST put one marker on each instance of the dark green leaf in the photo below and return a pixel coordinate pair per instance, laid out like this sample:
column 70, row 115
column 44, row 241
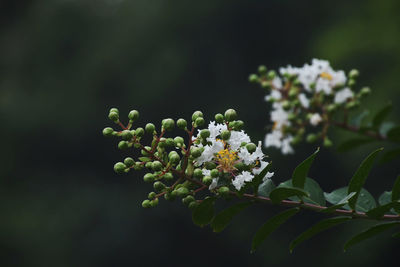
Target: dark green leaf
column 394, row 134
column 385, row 198
column 373, row 231
column 204, row 213
column 354, row 143
column 270, row 226
column 301, row 171
column 396, row 189
column 281, row 193
column 386, row 127
column 223, row 218
column 358, row 179
column 317, row 228
column 266, row 187
column 144, row 159
column 313, row 188
column 381, row 115
column 391, row 155
column 365, row 201
column 358, row 119
column 258, row 179
column 378, row 212
column 340, row 204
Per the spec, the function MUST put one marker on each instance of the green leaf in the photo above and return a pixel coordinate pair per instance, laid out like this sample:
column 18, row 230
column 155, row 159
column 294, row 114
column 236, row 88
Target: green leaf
column 381, row 115
column 204, row 212
column 394, row 134
column 258, row 179
column 390, row 155
column 385, row 198
column 281, row 193
column 340, row 204
column 373, row 231
column 313, row 188
column 270, row 226
column 301, row 171
column 266, row 187
column 358, row 119
column 223, row 218
column 396, row 189
column 365, row 201
column 317, row 228
column 386, row 127
column 354, row 143
column 144, row 159
column 358, row 179
column 378, row 212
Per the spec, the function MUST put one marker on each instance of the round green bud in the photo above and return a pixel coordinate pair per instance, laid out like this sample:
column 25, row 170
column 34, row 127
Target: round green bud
column 178, row 141
column 331, row 107
column 210, row 165
column 195, row 152
column 148, row 178
column 119, row 167
column 108, row 131
column 230, row 115
column 197, row 173
column 292, row 116
column 174, row 159
column 145, row 151
column 188, row 199
column 193, row 205
column 205, row 133
column 123, row 145
column 214, row 173
column 271, row 74
column 181, row 123
column 238, row 125
column 286, row 105
column 365, row 91
column 199, row 122
column 296, row 82
column 156, row 166
column 197, row 114
column 133, row 115
column 293, row 92
column 296, row 140
column 224, row 191
column 168, row 176
column 146, row 204
column 219, row 118
column 169, row 142
column 149, row 165
column 266, row 84
column 113, row 116
column 207, row 180
column 114, row 110
column 253, row 78
column 170, row 196
column 240, row 166
column 251, row 147
column 352, row 104
column 168, row 124
column 351, row 82
column 327, row 142
column 151, row 195
column 354, row 74
column 311, row 138
column 225, row 135
column 129, row 162
column 158, row 186
column 150, row 128
column 182, row 191
column 126, row 135
column 139, row 132
column 154, row 202
column 262, row 69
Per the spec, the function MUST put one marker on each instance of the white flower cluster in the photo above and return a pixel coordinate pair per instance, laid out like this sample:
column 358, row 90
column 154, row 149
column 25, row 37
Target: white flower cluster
column 227, row 153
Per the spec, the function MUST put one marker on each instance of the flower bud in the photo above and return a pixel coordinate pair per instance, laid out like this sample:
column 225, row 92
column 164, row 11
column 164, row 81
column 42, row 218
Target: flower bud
column 168, row 124
column 108, row 131
column 151, row 195
column 197, row 173
column 253, row 78
column 150, row 128
column 230, row 115
column 219, row 118
column 210, row 165
column 271, row 74
column 365, row 91
column 214, row 173
column 126, row 135
column 195, row 152
column 193, row 205
column 238, row 125
column 174, row 158
column 169, row 196
column 262, row 69
column 158, row 186
column 149, row 165
column 197, row 114
column 145, row 151
column 205, row 133
column 133, row 115
column 292, row 116
column 240, row 166
column 354, row 74
column 182, row 191
column 223, row 191
column 115, row 110
column 123, row 145
column 251, row 147
column 331, row 108
column 293, row 92
column 139, row 132
column 207, row 180
column 113, row 116
column 311, row 138
column 146, row 204
column 188, row 199
column 169, row 142
column 178, row 141
column 296, row 140
column 168, row 176
column 129, row 162
column 154, row 202
column 148, row 178
column 156, row 166
column 286, row 105
column 352, row 104
column 181, row 123
column 119, row 167
column 327, row 142
column 199, row 122
column 225, row 135
column 351, row 83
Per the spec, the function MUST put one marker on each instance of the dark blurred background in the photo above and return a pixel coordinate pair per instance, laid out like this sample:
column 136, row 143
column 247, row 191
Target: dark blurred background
column 64, row 63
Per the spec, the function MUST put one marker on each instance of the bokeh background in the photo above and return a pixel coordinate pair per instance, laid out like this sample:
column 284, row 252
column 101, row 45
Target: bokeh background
column 64, row 63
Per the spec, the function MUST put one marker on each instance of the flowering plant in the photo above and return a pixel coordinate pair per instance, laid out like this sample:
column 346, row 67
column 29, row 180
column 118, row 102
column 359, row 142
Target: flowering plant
column 221, row 161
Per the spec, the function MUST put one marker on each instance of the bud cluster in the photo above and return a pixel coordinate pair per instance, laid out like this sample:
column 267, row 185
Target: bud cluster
column 305, row 101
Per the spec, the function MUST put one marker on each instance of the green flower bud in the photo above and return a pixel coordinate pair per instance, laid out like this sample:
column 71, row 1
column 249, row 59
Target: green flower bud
column 181, row 123
column 230, row 115
column 113, row 116
column 174, row 159
column 150, row 128
column 365, row 91
column 168, row 176
column 253, row 78
column 178, row 141
column 205, row 133
column 266, row 84
column 293, row 92
column 223, row 191
column 169, row 142
column 115, row 110
column 193, row 205
column 119, row 167
column 144, row 151
column 146, row 204
column 126, row 135
column 158, row 186
column 352, row 104
column 240, row 166
column 156, row 166
column 151, row 195
column 198, row 173
column 207, row 180
column 149, row 165
column 251, row 147
column 197, row 114
column 225, row 135
column 148, row 178
column 296, row 140
column 292, row 116
column 331, row 107
column 182, row 191
column 199, row 122
column 311, row 138
column 219, row 118
column 214, row 173
column 296, row 82
column 154, row 202
column 139, row 132
column 133, row 115
column 262, row 69
column 351, row 83
column 354, row 74
column 286, row 105
column 168, row 124
column 238, row 125
column 271, row 74
column 210, row 165
column 123, row 145
column 327, row 142
column 195, row 152
column 187, row 200
column 108, row 132
column 129, row 162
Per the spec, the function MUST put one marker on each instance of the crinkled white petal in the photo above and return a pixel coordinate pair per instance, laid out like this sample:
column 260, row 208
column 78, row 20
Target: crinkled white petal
column 275, row 94
column 273, row 139
column 342, row 95
column 240, row 179
column 206, row 172
column 213, row 184
column 263, row 164
column 277, row 82
column 315, row 119
column 304, row 100
column 245, row 156
column 237, row 138
column 268, row 176
column 209, row 151
column 215, row 129
column 286, row 147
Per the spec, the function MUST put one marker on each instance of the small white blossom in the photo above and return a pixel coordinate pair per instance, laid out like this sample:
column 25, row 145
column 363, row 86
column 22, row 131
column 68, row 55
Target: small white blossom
column 273, row 139
column 286, row 147
column 275, row 95
column 237, row 138
column 240, row 179
column 268, row 176
column 342, row 95
column 304, row 100
column 315, row 119
column 263, row 164
column 213, row 184
column 277, row 82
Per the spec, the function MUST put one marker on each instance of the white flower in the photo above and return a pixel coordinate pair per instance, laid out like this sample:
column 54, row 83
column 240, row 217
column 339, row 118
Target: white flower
column 215, row 130
column 263, row 164
column 240, row 179
column 237, row 138
column 251, row 158
column 275, row 95
column 268, row 176
column 274, row 139
column 209, row 152
column 304, row 100
column 286, row 147
column 279, row 116
column 315, row 119
column 277, row 82
column 323, row 85
column 213, row 184
column 342, row 95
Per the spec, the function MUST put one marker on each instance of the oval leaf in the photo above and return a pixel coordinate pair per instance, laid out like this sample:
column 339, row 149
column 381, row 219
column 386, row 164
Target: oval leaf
column 340, row 204
column 281, row 193
column 365, row 201
column 313, row 188
column 385, row 198
column 266, row 187
column 270, row 226
column 378, row 212
column 204, row 213
column 359, row 177
column 223, row 218
column 300, row 173
column 373, row 231
column 317, row 228
column 381, row 115
column 354, row 143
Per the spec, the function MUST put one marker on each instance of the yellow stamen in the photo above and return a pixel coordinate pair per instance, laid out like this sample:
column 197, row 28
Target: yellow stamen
column 226, row 159
column 326, row 76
